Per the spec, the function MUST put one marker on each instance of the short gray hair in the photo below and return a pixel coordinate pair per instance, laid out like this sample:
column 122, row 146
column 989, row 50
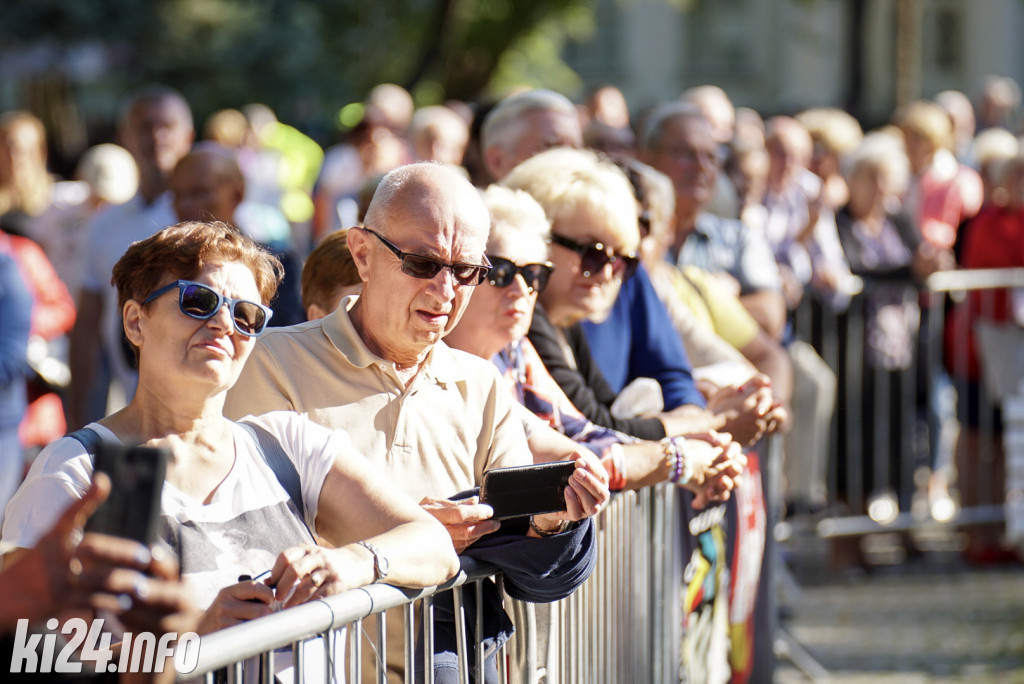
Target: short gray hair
column 506, row 116
column 658, row 118
column 881, row 150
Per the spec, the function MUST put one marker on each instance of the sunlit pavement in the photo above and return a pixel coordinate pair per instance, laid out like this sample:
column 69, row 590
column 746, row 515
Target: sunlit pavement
column 917, row 622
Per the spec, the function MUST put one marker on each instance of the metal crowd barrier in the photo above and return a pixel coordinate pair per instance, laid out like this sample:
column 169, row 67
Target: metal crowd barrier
column 902, row 417
column 623, row 625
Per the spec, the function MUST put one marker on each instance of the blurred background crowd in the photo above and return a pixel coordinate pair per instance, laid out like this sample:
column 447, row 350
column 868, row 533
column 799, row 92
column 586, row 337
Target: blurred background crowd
column 861, row 141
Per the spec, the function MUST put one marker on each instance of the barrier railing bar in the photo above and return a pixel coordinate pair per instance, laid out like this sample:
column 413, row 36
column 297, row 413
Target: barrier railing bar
column 428, row 639
column 267, row 667
column 460, row 636
column 225, row 647
column 356, row 640
column 861, row 524
column 478, row 595
column 299, row 661
column 975, row 279
column 382, row 647
column 329, row 665
column 503, row 673
column 409, row 615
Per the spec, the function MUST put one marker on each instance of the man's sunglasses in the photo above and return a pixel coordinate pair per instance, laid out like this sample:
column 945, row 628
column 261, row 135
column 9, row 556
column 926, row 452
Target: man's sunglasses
column 503, row 272
column 201, row 302
column 594, row 257
column 424, row 267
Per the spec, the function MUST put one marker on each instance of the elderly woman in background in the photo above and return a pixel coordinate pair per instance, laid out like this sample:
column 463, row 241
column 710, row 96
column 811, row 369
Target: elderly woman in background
column 887, row 250
column 193, row 299
column 495, row 326
column 834, row 134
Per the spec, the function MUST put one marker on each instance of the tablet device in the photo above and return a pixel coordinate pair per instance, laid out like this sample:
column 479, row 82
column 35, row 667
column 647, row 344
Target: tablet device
column 136, row 476
column 526, row 490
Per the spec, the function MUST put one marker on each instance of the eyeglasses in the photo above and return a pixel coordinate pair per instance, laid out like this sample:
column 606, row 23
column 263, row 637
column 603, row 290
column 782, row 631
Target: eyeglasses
column 594, row 257
column 199, row 301
column 425, row 268
column 691, row 155
column 503, row 272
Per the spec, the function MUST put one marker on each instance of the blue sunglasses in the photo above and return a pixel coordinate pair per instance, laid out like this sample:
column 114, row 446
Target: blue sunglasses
column 201, row 302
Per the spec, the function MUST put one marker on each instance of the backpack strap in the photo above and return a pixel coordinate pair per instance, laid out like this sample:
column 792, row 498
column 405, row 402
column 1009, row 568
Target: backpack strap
column 88, row 438
column 275, row 457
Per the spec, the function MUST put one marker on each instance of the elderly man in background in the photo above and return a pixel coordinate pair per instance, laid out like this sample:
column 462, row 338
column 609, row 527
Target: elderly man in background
column 678, row 141
column 207, row 184
column 435, row 418
column 524, row 124
column 156, row 127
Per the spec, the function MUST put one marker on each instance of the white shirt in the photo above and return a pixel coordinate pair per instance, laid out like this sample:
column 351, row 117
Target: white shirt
column 111, row 232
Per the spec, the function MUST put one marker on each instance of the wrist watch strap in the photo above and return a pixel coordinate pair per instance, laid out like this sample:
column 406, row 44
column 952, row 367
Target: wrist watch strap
column 380, row 561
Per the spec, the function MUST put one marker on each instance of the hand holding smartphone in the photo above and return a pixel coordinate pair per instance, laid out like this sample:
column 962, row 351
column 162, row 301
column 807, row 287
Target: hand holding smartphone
column 526, row 490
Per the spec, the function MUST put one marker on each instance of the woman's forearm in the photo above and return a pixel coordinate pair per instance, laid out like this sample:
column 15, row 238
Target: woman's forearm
column 419, row 554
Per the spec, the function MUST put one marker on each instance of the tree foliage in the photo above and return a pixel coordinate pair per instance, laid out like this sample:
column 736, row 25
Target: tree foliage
column 310, row 55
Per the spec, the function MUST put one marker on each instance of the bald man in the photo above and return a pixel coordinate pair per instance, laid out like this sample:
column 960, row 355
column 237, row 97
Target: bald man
column 207, row 185
column 434, row 417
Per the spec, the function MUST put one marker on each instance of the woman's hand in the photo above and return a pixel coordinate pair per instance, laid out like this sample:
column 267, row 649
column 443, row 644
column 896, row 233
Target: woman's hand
column 235, row 604
column 309, row 571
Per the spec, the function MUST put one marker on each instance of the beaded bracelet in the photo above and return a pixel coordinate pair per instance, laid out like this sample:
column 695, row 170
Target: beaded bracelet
column 676, row 462
column 673, row 458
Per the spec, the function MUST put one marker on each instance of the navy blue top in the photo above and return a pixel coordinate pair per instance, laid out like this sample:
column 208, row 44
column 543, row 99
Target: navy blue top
column 638, row 340
column 15, row 319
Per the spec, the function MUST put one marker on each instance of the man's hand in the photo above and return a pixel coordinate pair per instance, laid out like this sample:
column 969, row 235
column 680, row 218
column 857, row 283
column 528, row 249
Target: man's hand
column 585, row 496
column 466, row 521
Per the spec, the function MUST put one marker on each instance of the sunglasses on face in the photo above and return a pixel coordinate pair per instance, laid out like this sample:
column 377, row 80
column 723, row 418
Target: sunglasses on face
column 503, row 272
column 595, row 256
column 425, row 268
column 201, row 302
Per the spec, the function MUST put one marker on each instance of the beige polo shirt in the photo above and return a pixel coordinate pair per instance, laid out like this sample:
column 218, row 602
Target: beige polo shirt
column 435, row 437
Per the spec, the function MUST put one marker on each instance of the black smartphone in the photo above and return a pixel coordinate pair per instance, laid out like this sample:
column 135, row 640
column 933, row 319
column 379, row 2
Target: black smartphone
column 136, row 476
column 526, row 490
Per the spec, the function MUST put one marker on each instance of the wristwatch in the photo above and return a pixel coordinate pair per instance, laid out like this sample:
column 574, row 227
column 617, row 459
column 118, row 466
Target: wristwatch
column 380, row 561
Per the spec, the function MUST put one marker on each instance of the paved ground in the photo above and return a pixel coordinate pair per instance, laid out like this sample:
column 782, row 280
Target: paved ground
column 912, row 624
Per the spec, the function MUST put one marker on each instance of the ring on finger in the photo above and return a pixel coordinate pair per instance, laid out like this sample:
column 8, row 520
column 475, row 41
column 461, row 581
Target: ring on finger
column 317, row 577
column 74, row 570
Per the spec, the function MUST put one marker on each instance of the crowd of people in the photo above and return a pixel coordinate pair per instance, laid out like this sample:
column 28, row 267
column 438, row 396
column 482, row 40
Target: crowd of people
column 450, row 290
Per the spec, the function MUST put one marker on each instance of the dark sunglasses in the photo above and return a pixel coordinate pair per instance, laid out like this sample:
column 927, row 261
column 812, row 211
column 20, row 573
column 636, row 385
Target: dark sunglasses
column 424, row 267
column 594, row 257
column 503, row 272
column 201, row 302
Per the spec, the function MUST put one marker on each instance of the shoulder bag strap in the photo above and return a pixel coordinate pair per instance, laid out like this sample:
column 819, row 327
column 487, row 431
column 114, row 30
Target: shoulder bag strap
column 273, row 455
column 88, row 438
